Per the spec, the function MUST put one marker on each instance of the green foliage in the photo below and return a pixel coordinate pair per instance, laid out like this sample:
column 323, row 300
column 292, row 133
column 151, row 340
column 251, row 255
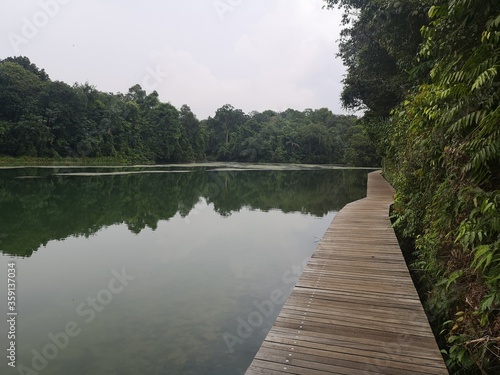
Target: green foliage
column 441, row 149
column 453, row 129
column 311, row 136
column 377, row 48
column 19, row 91
column 360, row 150
column 50, row 119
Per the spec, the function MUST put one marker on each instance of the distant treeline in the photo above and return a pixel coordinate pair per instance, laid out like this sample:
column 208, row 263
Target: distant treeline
column 44, row 118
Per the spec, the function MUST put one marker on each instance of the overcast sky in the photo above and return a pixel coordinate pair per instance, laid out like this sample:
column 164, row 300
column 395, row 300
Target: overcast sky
column 253, row 54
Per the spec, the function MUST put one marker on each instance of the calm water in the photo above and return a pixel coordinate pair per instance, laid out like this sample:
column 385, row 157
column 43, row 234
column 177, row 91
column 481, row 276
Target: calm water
column 167, row 270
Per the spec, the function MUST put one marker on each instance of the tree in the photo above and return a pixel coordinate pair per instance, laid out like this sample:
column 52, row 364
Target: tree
column 136, row 94
column 40, row 117
column 360, row 151
column 29, row 66
column 379, row 48
column 162, row 132
column 63, row 113
column 316, row 143
column 440, row 139
column 226, row 121
column 19, row 89
column 192, row 133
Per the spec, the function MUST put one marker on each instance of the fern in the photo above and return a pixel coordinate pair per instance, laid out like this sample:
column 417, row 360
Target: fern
column 485, row 77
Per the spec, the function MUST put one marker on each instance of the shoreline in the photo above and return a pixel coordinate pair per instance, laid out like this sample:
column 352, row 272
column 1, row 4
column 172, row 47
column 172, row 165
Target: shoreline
column 98, row 163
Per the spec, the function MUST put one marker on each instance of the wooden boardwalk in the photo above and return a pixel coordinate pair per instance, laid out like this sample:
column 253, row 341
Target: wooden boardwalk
column 355, row 309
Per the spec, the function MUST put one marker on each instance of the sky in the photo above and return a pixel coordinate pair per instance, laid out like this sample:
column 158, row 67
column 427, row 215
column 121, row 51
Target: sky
column 252, row 54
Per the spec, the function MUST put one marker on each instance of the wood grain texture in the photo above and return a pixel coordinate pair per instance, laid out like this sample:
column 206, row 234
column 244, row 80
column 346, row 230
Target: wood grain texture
column 354, row 309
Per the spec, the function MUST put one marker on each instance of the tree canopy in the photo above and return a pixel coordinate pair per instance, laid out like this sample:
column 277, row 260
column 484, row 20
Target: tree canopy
column 44, row 118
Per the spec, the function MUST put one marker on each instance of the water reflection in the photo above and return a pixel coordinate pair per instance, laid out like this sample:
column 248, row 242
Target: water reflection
column 207, row 249
column 56, row 205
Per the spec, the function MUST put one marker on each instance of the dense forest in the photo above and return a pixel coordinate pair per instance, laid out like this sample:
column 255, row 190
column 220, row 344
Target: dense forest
column 44, row 118
column 426, row 73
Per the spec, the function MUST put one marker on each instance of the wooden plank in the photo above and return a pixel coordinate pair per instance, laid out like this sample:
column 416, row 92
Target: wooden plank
column 360, row 348
column 354, row 309
column 367, row 344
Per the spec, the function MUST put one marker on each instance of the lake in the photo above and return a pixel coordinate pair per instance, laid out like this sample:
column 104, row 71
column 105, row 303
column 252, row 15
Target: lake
column 157, row 269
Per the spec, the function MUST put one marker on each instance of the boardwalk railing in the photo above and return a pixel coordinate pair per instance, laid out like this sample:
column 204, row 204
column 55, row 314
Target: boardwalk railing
column 355, row 309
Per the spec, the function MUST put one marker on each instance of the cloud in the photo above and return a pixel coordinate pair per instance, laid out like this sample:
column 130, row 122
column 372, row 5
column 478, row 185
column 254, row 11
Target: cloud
column 283, row 59
column 191, row 82
column 271, row 54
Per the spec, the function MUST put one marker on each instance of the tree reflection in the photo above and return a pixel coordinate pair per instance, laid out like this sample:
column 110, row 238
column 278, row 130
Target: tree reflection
column 35, row 211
